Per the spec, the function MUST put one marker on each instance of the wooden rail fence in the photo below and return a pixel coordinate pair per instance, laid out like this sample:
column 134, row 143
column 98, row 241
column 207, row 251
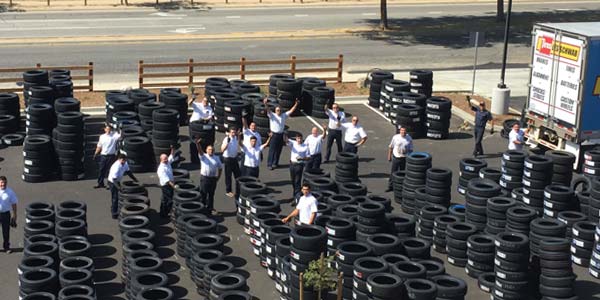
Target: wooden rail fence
column 83, row 81
column 190, row 73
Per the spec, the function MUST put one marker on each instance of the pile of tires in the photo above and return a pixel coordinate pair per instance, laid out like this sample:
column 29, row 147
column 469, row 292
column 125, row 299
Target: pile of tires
column 235, row 110
column 511, row 266
column 117, row 101
column 219, row 108
column 438, row 112
column 496, row 214
column 411, row 117
column 421, row 82
column 262, row 209
column 225, row 284
column 348, row 253
column 321, row 96
column 478, row 192
column 438, row 186
column 376, row 79
column 582, row 242
column 35, row 78
column 591, row 164
column 426, row 220
column 10, row 113
column 243, row 203
column 513, row 164
column 594, row 269
column 457, row 235
column 339, row 230
column 417, row 164
column 140, row 154
column 61, row 82
column 545, row 228
column 480, row 255
column 364, row 268
column 177, row 101
column 288, row 91
column 184, row 216
column 556, row 277
column 391, row 86
column 40, row 119
column 145, row 111
column 518, row 219
column 134, row 197
column 273, row 79
column 261, row 118
column 440, row 224
column 38, row 159
column 140, row 96
column 537, row 174
column 558, row 198
column 306, row 97
column 492, row 174
column 469, row 169
column 346, row 167
column 370, row 220
column 562, row 167
column 397, row 185
column 69, row 142
column 165, row 130
column 204, row 131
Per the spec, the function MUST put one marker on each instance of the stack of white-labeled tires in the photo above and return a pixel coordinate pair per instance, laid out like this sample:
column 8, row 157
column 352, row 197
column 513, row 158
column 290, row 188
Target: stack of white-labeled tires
column 388, row 103
column 61, row 82
column 177, row 101
column 376, row 79
column 235, row 110
column 469, row 169
column 38, row 159
column 591, row 164
column 412, row 118
column 307, row 101
column 35, row 78
column 288, row 91
column 594, row 269
column 346, row 168
column 417, row 164
column 562, row 167
column 321, row 96
column 165, row 131
column 439, row 112
column 479, row 191
column 421, row 82
column 69, row 143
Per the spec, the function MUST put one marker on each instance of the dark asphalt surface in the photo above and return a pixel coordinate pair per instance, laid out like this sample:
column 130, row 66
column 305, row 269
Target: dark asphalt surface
column 105, row 235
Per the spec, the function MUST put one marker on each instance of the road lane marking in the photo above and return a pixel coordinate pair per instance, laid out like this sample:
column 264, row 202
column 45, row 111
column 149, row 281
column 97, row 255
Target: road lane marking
column 313, row 121
column 92, row 27
column 377, row 112
column 300, row 15
column 187, row 30
column 434, row 12
column 369, row 14
column 90, row 20
column 166, row 14
column 233, row 17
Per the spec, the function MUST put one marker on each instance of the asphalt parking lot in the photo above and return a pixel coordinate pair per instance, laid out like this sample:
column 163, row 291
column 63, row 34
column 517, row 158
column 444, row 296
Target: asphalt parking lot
column 104, row 232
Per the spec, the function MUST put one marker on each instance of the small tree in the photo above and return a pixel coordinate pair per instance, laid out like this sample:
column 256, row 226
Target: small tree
column 320, row 276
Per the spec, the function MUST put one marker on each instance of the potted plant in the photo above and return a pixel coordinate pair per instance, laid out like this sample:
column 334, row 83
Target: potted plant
column 321, row 278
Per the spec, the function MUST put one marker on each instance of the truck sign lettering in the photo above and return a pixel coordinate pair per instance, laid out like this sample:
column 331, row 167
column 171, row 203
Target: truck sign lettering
column 548, row 46
column 570, row 85
column 541, row 75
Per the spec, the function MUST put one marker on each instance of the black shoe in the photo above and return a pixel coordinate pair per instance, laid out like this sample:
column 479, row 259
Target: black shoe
column 389, row 189
column 98, row 186
column 115, row 217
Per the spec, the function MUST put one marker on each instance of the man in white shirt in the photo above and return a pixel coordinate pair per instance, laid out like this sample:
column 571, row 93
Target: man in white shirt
column 314, row 143
column 229, row 148
column 298, row 155
column 516, row 138
column 334, row 130
column 306, row 208
column 400, row 147
column 107, row 149
column 211, row 169
column 8, row 204
column 119, row 168
column 277, row 126
column 250, row 131
column 355, row 135
column 252, row 156
column 201, row 112
column 166, row 182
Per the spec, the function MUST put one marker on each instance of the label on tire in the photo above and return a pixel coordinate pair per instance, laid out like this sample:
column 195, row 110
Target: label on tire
column 28, row 162
column 502, row 183
column 499, row 293
column 470, row 168
column 593, row 273
column 355, row 284
column 578, row 243
column 269, row 249
column 294, row 255
column 341, row 256
column 547, row 195
column 526, row 200
column 526, row 182
column 575, row 232
column 528, row 165
column 502, row 255
column 451, row 260
column 548, row 204
column 330, row 231
column 484, row 288
column 506, row 177
column 576, row 260
column 330, row 242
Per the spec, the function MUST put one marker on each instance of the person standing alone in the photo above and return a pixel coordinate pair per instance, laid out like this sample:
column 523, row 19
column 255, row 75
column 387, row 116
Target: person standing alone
column 277, row 126
column 119, row 168
column 401, row 146
column 482, row 116
column 334, row 130
column 8, row 205
column 229, row 148
column 306, row 209
column 107, row 149
column 516, row 138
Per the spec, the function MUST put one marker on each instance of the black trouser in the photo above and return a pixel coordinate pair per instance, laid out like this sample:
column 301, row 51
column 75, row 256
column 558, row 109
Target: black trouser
column 193, row 148
column 166, row 201
column 5, row 220
column 314, row 162
column 114, row 197
column 479, row 131
column 350, row 147
column 250, row 171
column 231, row 166
column 275, row 149
column 398, row 163
column 208, row 185
column 296, row 170
column 333, row 134
column 104, row 164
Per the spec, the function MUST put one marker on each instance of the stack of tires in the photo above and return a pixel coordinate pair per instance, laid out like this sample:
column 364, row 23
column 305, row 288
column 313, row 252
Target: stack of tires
column 339, row 230
column 480, row 255
column 308, row 242
column 140, row 154
column 205, row 131
column 118, row 102
column 417, row 164
column 140, row 96
column 557, row 278
column 438, row 185
column 376, row 84
column 562, row 168
column 411, row 117
column 346, row 168
column 242, row 86
column 397, row 185
column 10, row 113
column 243, row 202
column 558, row 198
column 371, row 220
column 347, row 254
column 476, row 198
column 61, row 82
column 195, row 227
column 496, row 214
column 165, row 130
column 321, row 96
column 421, row 82
column 439, row 112
column 591, row 164
column 307, row 99
column 364, row 267
column 38, row 159
column 69, row 142
column 518, row 219
column 261, row 118
column 263, row 208
column 544, row 228
column 391, row 86
column 490, row 173
column 537, row 173
column 235, row 110
column 40, row 119
column 469, row 169
column 439, row 234
column 219, row 108
column 34, row 78
column 145, row 110
column 176, row 101
column 426, row 220
column 457, row 235
column 582, row 242
column 594, row 269
column 511, row 266
column 288, row 91
column 180, row 222
column 273, row 79
column 228, row 286
column 513, row 163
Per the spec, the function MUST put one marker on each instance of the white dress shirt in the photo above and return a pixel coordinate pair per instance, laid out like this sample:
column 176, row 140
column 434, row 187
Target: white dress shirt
column 515, row 136
column 277, row 123
column 232, row 148
column 333, row 119
column 249, row 133
column 201, row 112
column 7, row 199
column 252, row 155
column 307, row 205
column 297, row 151
column 117, row 170
column 314, row 144
column 108, row 143
column 353, row 133
column 165, row 171
column 401, row 146
column 210, row 165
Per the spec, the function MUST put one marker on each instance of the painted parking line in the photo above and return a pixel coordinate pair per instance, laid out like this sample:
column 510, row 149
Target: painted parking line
column 312, row 120
column 377, row 112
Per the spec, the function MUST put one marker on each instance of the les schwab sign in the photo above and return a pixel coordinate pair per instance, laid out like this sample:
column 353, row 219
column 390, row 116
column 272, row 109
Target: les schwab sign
column 547, row 45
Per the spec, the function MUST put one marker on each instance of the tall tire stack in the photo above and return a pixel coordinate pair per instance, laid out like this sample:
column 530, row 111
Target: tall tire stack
column 371, row 217
column 513, row 164
column 205, row 131
column 518, row 219
column 260, row 209
column 40, row 119
column 557, row 278
column 61, row 82
column 207, row 259
column 306, row 98
column 176, row 101
column 165, row 131
column 346, row 168
column 194, row 227
column 562, row 169
column 376, row 84
column 347, row 254
column 339, row 230
column 402, row 225
column 594, row 269
column 139, row 152
column 544, row 228
column 288, row 90
column 397, row 184
column 438, row 112
column 411, row 117
column 283, row 273
column 421, row 82
column 145, row 110
column 254, row 99
column 582, row 243
column 10, row 113
column 33, row 78
column 307, row 244
column 38, row 154
column 69, row 142
column 140, row 96
column 391, row 86
column 235, row 110
column 439, row 231
column 469, row 169
column 426, row 220
column 266, row 221
column 180, row 222
column 476, row 198
column 591, row 164
column 363, row 268
column 219, row 108
column 273, row 79
column 417, row 164
column 496, row 214
column 511, row 265
column 117, row 102
column 457, row 235
column 438, row 186
column 321, row 96
column 558, row 198
column 480, row 255
column 261, row 119
column 243, row 202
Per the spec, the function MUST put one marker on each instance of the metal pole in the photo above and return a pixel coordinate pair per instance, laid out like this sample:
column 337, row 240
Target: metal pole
column 506, row 32
column 475, row 62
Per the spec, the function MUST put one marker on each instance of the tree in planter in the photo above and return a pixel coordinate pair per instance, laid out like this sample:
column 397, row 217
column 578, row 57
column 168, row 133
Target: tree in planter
column 321, row 276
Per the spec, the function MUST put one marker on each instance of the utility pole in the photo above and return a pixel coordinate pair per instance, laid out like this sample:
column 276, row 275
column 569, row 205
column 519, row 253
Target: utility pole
column 501, row 94
column 384, row 19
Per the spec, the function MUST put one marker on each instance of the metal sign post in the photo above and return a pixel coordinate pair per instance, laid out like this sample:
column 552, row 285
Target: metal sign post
column 475, row 63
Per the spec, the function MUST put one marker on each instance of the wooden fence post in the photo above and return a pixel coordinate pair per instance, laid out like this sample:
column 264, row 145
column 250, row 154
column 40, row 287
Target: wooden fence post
column 85, row 2
column 340, row 68
column 48, row 2
column 293, row 65
column 243, row 68
column 140, row 73
column 301, row 286
column 339, row 286
column 191, row 72
column 91, row 76
column 10, row 3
